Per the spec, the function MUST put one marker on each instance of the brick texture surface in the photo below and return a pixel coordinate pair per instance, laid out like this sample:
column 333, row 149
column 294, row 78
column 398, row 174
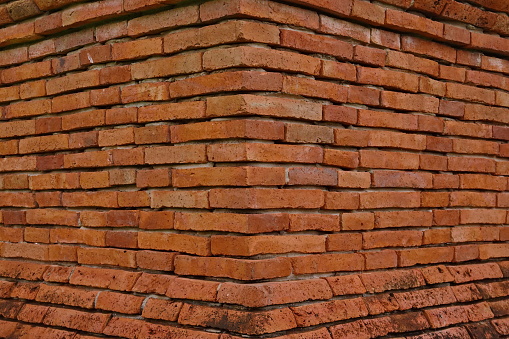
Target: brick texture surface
column 220, row 169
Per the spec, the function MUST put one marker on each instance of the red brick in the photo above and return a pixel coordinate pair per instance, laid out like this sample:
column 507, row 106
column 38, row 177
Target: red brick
column 389, row 199
column 222, row 33
column 92, row 199
column 71, row 296
column 15, row 181
column 260, row 57
column 488, row 251
column 346, row 159
column 473, row 199
column 354, row 329
column 161, row 309
column 105, row 97
column 277, row 12
column 301, row 133
column 91, row 12
column 429, row 255
column 262, row 105
column 436, row 236
column 412, row 23
column 388, row 78
column 426, row 47
column 334, row 26
column 52, row 217
column 28, row 108
column 189, row 63
column 402, row 218
column 501, row 326
column 233, row 268
column 174, row 242
column 442, row 317
column 228, row 129
column 118, row 302
column 127, row 156
column 383, row 281
column 182, row 199
column 365, row 11
column 385, row 38
column 315, row 43
column 37, row 235
column 314, row 314
column 13, row 56
column 115, row 75
column 389, row 160
column 242, row 223
column 344, row 242
column 401, row 179
column 126, row 327
column 334, row 262
column 446, row 217
column 70, row 102
column 155, row 260
column 430, row 86
column 239, row 321
column 133, row 199
column 76, row 319
column 313, row 88
column 357, row 221
column 387, row 120
column 410, row 62
column 341, row 114
column 471, row 164
column 280, row 292
column 342, row 200
column 163, row 20
column 106, row 256
column 265, row 198
column 183, row 288
column 337, row 70
column 254, row 245
column 231, row 81
column 312, row 176
column 435, row 199
column 146, row 91
column 363, row 95
column 19, row 163
column 72, row 40
column 410, row 102
column 137, row 49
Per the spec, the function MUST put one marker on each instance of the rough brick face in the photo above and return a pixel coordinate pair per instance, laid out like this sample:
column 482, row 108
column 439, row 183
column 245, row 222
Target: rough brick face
column 218, row 169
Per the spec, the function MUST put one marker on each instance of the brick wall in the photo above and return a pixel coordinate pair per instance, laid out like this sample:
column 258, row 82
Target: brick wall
column 298, row 169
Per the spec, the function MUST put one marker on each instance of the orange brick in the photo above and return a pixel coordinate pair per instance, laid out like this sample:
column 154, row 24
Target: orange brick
column 252, row 129
column 118, row 302
column 344, row 242
column 254, row 245
column 162, row 21
column 231, row 222
column 262, row 105
column 334, row 262
column 137, row 49
column 388, row 78
column 222, row 33
column 315, row 43
column 170, row 66
column 260, row 57
column 265, row 198
column 234, row 268
column 146, row 91
column 412, row 23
